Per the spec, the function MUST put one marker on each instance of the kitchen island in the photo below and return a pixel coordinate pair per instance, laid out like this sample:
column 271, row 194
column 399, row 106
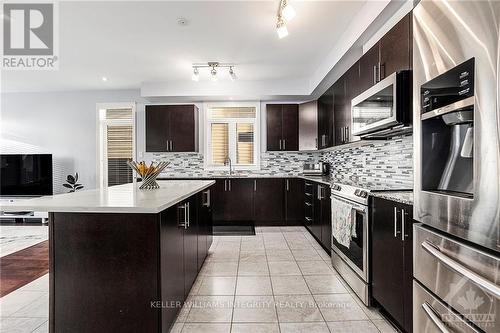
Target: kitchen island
column 123, row 259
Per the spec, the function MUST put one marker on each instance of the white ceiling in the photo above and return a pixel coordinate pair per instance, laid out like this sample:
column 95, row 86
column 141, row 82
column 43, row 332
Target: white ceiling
column 140, row 44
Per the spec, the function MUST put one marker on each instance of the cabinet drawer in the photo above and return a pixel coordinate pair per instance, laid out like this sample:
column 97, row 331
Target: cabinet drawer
column 467, row 278
column 429, row 314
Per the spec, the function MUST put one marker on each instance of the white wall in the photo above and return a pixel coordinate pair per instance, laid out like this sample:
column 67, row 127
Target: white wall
column 60, row 123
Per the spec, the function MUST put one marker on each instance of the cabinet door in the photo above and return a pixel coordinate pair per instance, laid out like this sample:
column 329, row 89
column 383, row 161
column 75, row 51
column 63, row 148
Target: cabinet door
column 408, row 267
column 325, row 120
column 203, row 221
column 387, row 258
column 157, row 125
column 294, row 201
column 172, row 263
column 183, row 128
column 190, row 243
column 316, row 223
column 395, row 52
column 239, row 196
column 274, row 127
column 219, row 201
column 352, row 90
column 326, row 220
column 368, row 68
column 269, row 201
column 339, row 99
column 290, row 127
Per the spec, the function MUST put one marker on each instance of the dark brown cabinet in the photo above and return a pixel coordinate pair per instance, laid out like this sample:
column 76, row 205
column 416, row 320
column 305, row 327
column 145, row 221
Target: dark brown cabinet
column 325, row 119
column 392, row 259
column 341, row 116
column 268, row 201
column 294, row 201
column 395, row 48
column 142, row 262
column 282, row 127
column 317, row 207
column 233, row 199
column 171, row 128
column 204, row 225
column 392, row 53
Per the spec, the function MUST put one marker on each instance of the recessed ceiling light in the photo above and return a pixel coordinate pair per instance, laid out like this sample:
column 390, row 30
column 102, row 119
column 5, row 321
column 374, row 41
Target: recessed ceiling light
column 104, row 79
column 182, row 21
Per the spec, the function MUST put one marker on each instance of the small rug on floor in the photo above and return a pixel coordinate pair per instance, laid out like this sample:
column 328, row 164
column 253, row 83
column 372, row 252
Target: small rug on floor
column 20, row 268
column 241, row 229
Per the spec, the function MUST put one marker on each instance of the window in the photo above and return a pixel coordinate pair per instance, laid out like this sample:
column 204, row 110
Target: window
column 232, row 132
column 116, row 145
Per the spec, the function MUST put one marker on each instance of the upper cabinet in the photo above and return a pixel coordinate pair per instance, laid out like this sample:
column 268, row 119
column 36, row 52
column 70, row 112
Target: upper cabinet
column 282, row 127
column 171, row 128
column 308, row 126
column 392, row 53
column 395, row 48
column 325, row 120
column 389, row 55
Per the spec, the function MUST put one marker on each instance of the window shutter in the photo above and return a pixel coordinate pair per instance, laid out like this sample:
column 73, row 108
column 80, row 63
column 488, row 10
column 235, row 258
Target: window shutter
column 119, row 137
column 220, row 143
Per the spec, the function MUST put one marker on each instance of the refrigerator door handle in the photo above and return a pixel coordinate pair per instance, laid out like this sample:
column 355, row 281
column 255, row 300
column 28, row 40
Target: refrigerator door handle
column 435, row 251
column 435, row 318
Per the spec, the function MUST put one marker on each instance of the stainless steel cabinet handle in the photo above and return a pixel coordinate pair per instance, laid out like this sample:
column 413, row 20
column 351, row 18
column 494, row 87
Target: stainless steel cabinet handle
column 379, row 76
column 284, row 144
column 207, row 196
column 255, row 185
column 225, row 185
column 403, row 225
column 280, row 144
column 319, row 192
column 374, row 74
column 308, row 204
column 171, row 145
column 287, row 185
column 180, row 208
column 229, row 184
column 482, row 282
column 316, row 142
column 187, row 215
column 395, row 222
column 435, row 318
column 347, row 133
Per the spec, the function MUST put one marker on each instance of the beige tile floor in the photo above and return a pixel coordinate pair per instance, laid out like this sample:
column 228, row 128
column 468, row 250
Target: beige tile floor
column 279, row 280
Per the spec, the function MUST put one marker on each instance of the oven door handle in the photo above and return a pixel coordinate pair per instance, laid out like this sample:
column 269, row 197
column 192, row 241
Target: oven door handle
column 435, row 251
column 435, row 318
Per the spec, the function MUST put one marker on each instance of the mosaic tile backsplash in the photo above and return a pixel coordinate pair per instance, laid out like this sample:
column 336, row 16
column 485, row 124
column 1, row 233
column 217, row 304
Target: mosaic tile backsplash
column 380, row 164
column 385, row 164
column 271, row 164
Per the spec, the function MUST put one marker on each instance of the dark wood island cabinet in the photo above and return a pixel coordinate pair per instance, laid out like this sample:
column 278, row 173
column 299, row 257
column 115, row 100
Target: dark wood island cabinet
column 123, row 259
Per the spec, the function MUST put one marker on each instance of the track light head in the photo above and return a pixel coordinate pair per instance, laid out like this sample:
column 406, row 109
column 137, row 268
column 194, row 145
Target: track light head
column 281, row 28
column 232, row 74
column 196, row 75
column 287, row 11
column 213, row 74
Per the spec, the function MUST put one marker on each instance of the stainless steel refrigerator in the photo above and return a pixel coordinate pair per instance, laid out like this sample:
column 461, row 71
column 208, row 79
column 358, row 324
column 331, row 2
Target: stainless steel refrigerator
column 457, row 166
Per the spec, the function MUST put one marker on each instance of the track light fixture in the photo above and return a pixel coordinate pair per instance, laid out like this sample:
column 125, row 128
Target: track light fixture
column 213, row 66
column 285, row 13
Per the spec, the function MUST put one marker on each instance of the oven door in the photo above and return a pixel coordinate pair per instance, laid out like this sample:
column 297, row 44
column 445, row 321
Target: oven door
column 356, row 255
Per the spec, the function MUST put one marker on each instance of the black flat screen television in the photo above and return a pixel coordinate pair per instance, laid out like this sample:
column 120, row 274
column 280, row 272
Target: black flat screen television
column 25, row 175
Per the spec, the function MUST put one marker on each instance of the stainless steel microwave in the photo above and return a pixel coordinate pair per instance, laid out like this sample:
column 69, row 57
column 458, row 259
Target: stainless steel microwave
column 384, row 109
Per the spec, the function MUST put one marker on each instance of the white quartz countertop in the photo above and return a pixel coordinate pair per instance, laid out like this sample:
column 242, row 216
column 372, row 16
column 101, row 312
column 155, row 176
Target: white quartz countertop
column 127, row 198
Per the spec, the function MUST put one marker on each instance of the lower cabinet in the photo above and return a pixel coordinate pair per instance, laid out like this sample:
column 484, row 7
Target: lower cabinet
column 268, row 201
column 392, row 259
column 317, row 205
column 294, row 201
column 185, row 236
column 233, row 199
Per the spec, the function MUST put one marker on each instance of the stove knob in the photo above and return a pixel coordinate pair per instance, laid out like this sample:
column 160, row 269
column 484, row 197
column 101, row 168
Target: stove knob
column 363, row 194
column 357, row 193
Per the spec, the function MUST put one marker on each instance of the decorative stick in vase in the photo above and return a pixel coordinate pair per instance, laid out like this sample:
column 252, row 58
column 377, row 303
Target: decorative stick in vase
column 148, row 174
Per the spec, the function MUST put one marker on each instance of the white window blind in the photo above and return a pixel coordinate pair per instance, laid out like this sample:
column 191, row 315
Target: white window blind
column 119, row 145
column 232, row 134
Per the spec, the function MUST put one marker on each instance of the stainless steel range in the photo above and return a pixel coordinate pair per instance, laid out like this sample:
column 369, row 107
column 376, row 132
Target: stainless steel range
column 350, row 227
column 457, row 166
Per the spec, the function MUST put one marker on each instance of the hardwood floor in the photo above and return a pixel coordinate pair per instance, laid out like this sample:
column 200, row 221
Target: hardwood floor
column 24, row 266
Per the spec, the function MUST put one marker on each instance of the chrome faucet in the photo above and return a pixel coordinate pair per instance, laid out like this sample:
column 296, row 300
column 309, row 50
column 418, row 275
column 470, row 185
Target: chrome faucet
column 228, row 161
